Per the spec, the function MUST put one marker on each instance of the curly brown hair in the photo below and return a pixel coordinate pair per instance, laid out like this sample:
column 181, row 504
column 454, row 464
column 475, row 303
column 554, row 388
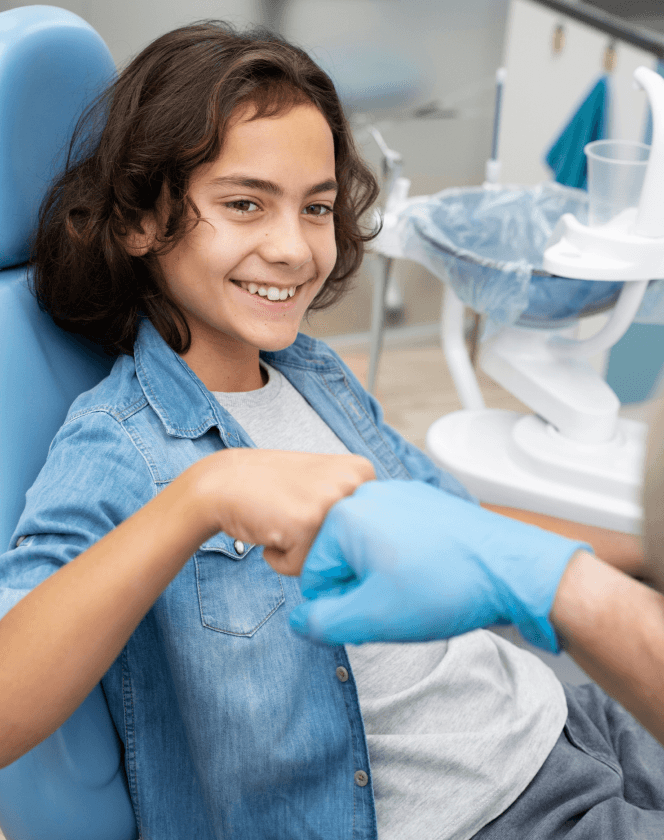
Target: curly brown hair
column 164, row 116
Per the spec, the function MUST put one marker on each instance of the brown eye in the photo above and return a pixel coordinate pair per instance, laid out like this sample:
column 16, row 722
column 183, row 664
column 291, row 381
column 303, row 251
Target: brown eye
column 317, row 210
column 243, row 205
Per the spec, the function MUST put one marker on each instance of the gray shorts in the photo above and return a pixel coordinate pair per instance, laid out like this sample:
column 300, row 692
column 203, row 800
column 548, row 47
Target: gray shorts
column 603, row 780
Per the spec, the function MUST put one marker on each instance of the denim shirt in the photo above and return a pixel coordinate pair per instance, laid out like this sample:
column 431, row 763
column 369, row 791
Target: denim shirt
column 233, row 726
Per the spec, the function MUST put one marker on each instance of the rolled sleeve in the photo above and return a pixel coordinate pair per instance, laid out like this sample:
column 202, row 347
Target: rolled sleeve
column 93, row 479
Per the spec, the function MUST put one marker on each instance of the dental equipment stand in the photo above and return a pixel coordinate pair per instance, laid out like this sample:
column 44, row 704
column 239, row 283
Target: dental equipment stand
column 574, row 458
column 392, row 164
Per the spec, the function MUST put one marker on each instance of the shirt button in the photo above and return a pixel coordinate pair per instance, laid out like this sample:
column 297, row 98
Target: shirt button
column 361, row 778
column 238, row 545
column 342, row 674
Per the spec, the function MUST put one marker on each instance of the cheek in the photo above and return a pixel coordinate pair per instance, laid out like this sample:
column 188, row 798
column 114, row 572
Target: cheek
column 330, row 251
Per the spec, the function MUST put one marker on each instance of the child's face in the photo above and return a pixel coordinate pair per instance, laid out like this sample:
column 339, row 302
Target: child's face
column 267, row 226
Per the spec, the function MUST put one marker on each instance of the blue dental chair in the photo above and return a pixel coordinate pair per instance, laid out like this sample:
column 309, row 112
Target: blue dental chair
column 72, row 786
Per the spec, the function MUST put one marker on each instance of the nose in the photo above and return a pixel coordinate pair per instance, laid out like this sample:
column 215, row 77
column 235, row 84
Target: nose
column 285, row 242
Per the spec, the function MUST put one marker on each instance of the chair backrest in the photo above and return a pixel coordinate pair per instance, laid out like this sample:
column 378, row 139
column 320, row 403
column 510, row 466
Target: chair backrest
column 52, row 63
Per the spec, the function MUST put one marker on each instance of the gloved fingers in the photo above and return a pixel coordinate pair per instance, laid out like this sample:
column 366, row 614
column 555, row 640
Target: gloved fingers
column 325, row 567
column 299, row 618
column 361, row 527
column 325, row 575
column 343, row 619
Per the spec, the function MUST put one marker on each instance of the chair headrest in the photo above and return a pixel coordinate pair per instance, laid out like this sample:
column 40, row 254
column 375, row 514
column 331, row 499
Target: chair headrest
column 52, row 64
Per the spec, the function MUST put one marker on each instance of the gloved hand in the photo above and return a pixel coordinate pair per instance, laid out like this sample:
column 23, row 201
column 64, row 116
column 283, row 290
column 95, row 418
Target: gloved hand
column 403, row 561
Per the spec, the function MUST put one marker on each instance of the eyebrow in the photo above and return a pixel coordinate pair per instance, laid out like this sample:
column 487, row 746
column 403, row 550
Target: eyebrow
column 269, row 186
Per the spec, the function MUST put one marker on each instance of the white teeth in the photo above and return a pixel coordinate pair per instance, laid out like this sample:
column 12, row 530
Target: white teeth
column 270, row 292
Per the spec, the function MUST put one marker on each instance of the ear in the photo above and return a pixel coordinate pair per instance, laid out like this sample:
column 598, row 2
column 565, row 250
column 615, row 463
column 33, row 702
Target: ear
column 140, row 240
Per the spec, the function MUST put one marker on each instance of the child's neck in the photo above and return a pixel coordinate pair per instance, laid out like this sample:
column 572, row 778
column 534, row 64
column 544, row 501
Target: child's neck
column 227, row 372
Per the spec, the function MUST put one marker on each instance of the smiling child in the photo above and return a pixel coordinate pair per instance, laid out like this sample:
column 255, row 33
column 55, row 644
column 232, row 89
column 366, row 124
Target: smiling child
column 221, row 200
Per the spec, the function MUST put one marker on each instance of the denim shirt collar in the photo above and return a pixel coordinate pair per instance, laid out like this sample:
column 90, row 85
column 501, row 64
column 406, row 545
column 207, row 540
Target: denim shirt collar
column 184, row 405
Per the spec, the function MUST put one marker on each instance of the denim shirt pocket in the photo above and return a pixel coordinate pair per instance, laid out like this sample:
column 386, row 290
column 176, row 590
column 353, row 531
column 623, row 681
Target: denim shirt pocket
column 237, row 594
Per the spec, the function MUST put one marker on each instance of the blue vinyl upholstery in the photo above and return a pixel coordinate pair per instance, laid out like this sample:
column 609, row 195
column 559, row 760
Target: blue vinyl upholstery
column 72, row 786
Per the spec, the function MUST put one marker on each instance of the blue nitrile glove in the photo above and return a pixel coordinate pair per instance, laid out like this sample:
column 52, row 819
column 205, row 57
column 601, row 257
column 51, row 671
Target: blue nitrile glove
column 403, row 561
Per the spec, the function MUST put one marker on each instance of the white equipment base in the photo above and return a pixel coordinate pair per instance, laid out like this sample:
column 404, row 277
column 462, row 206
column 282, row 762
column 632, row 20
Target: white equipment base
column 518, row 460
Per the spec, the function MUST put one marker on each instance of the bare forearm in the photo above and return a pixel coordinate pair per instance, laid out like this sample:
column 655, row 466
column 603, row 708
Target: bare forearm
column 60, row 639
column 613, row 626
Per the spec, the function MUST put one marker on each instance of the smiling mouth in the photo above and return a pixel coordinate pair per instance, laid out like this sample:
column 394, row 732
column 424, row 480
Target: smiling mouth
column 272, row 293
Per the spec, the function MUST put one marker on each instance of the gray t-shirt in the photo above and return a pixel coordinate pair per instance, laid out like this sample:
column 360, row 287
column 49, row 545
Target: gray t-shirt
column 456, row 730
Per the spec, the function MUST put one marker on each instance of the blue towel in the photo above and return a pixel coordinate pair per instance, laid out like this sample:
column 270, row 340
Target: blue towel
column 566, row 157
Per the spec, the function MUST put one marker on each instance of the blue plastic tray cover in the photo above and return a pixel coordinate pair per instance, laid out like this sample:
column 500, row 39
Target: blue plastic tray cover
column 488, row 241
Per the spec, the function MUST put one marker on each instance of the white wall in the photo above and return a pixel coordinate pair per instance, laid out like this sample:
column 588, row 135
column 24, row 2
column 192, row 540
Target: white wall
column 456, row 45
column 129, row 25
column 543, row 88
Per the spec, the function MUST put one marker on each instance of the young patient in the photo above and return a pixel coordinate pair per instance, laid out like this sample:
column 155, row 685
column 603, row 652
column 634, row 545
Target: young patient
column 222, row 202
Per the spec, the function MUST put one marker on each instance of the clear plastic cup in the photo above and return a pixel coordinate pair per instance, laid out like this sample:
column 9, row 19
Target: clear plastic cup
column 616, row 170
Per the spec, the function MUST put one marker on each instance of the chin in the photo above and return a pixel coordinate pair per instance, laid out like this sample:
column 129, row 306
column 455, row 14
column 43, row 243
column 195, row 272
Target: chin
column 281, row 343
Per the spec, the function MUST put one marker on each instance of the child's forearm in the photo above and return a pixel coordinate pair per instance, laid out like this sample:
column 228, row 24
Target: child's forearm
column 613, row 626
column 62, row 637
column 624, row 551
column 59, row 640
